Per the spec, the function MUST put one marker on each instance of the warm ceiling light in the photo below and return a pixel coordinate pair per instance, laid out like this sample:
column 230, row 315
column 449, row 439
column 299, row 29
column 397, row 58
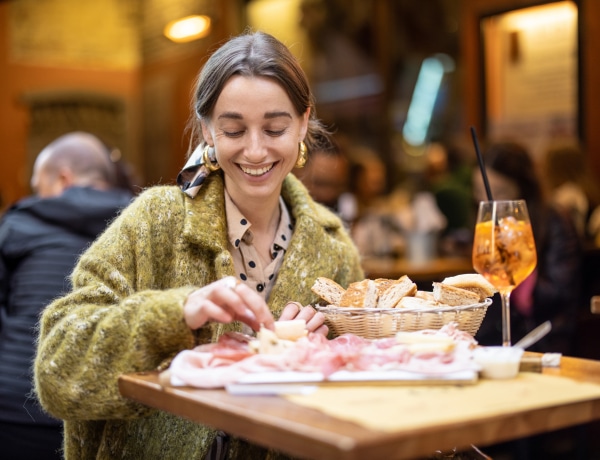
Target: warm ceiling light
column 188, row 28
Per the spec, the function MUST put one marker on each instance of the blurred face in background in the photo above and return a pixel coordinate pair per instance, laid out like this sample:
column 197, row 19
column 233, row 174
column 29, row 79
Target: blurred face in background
column 326, row 177
column 502, row 187
column 46, row 182
column 371, row 181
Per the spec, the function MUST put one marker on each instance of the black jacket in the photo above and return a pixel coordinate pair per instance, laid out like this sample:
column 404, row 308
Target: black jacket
column 40, row 242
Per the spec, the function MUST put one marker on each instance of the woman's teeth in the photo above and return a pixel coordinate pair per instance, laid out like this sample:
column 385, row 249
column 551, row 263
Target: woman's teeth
column 256, row 172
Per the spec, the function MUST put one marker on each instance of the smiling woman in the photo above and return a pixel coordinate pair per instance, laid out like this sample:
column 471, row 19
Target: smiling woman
column 237, row 246
column 256, row 135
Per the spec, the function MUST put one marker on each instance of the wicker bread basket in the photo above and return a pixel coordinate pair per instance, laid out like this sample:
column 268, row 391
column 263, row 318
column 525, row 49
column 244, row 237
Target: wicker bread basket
column 374, row 323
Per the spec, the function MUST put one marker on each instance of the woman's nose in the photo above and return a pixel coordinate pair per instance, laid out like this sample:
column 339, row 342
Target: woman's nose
column 255, row 151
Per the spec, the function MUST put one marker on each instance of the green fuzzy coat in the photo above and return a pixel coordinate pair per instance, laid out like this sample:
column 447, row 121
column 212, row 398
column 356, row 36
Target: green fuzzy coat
column 125, row 315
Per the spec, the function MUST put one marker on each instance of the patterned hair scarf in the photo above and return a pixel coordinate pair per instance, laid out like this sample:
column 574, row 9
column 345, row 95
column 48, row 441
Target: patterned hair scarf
column 193, row 174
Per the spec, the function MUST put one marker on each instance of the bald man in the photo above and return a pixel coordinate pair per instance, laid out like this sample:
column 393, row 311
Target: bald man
column 76, row 159
column 41, row 238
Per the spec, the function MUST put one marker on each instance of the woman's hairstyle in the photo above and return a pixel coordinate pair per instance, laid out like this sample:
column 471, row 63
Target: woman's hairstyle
column 564, row 163
column 514, row 161
column 253, row 54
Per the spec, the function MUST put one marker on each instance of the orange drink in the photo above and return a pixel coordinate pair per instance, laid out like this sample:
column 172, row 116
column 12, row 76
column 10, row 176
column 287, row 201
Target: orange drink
column 504, row 250
column 504, row 253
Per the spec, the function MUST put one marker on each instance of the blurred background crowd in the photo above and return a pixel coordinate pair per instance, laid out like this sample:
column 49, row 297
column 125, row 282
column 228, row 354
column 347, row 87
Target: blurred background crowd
column 398, row 83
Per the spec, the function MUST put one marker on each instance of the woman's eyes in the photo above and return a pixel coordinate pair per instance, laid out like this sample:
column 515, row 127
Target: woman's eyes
column 275, row 133
column 233, row 133
column 269, row 132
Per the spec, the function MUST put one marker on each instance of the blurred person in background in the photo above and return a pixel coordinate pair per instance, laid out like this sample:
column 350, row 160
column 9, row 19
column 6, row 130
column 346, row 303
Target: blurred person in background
column 41, row 238
column 376, row 229
column 570, row 185
column 552, row 291
column 125, row 175
column 326, row 175
column 449, row 177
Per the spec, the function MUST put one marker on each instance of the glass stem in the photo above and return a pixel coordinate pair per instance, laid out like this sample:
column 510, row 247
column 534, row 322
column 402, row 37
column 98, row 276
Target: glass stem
column 505, row 319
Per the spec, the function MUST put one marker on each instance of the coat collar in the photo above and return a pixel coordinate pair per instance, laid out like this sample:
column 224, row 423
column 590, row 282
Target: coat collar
column 205, row 221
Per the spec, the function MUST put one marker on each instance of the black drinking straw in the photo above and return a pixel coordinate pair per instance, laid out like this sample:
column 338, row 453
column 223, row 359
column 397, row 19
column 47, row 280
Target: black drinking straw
column 488, row 190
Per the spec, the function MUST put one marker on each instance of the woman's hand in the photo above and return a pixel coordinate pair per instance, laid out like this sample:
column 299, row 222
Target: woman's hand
column 225, row 301
column 315, row 321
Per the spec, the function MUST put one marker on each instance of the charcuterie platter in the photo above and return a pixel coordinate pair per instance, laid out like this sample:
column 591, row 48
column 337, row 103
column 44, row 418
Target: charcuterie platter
column 291, row 355
column 382, row 332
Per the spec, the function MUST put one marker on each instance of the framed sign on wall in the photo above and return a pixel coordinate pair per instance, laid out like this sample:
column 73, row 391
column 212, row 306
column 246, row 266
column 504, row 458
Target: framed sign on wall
column 531, row 73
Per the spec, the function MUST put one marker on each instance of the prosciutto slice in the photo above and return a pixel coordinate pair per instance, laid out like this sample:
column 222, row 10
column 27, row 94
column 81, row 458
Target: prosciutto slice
column 217, row 364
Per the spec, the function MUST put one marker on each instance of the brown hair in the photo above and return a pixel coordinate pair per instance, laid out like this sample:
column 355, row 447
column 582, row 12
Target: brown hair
column 253, row 54
column 567, row 162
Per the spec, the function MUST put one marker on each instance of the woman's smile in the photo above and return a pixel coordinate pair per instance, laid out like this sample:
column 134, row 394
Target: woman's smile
column 257, row 171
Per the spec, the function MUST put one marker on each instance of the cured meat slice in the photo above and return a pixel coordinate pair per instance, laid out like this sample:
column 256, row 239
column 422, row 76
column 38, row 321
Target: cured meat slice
column 232, row 357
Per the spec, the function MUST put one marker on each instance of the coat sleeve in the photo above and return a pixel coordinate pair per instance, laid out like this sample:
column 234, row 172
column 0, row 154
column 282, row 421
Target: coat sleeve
column 558, row 286
column 116, row 320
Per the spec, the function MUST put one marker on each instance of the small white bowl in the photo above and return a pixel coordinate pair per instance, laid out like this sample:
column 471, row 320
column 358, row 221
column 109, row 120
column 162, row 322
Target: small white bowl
column 498, row 362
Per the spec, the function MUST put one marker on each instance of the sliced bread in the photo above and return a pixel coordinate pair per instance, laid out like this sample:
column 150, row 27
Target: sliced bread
column 472, row 282
column 328, row 290
column 453, row 296
column 425, row 295
column 416, row 302
column 403, row 287
column 360, row 294
column 383, row 284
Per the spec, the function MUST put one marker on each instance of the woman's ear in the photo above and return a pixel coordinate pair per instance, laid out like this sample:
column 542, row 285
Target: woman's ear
column 207, row 133
column 304, row 125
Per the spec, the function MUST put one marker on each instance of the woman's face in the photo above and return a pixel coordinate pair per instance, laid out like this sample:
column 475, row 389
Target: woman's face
column 255, row 132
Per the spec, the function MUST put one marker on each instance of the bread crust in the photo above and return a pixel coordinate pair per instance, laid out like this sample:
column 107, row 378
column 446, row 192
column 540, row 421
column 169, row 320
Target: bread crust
column 328, row 290
column 473, row 282
column 403, row 287
column 453, row 296
column 361, row 294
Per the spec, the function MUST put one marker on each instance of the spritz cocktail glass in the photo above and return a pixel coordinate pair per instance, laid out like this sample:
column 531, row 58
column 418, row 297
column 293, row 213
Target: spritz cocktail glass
column 504, row 250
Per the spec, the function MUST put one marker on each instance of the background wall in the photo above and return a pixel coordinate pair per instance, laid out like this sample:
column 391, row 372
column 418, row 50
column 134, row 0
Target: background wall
column 103, row 66
column 69, row 62
column 40, row 66
column 589, row 72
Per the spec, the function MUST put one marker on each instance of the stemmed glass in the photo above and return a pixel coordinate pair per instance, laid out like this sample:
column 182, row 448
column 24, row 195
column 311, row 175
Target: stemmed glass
column 504, row 250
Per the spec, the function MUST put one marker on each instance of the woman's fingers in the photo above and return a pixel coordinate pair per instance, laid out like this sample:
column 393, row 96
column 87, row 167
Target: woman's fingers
column 290, row 311
column 315, row 321
column 228, row 300
column 255, row 307
column 224, row 301
column 323, row 330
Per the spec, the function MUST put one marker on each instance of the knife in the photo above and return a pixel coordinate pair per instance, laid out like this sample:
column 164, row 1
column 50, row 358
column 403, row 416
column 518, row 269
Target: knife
column 534, row 335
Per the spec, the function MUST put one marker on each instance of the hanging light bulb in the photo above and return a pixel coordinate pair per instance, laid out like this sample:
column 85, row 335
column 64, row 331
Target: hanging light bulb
column 188, row 28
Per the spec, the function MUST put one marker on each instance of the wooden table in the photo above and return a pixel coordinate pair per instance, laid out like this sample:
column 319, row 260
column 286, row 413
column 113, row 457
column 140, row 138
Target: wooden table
column 277, row 423
column 433, row 270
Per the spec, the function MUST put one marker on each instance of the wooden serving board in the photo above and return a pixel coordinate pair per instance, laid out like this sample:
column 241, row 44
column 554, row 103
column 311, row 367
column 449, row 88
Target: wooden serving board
column 297, row 382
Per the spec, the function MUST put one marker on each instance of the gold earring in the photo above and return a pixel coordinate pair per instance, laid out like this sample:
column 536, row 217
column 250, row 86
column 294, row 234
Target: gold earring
column 209, row 159
column 302, row 155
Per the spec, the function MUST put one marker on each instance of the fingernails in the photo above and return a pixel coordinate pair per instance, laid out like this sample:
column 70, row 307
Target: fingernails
column 230, row 282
